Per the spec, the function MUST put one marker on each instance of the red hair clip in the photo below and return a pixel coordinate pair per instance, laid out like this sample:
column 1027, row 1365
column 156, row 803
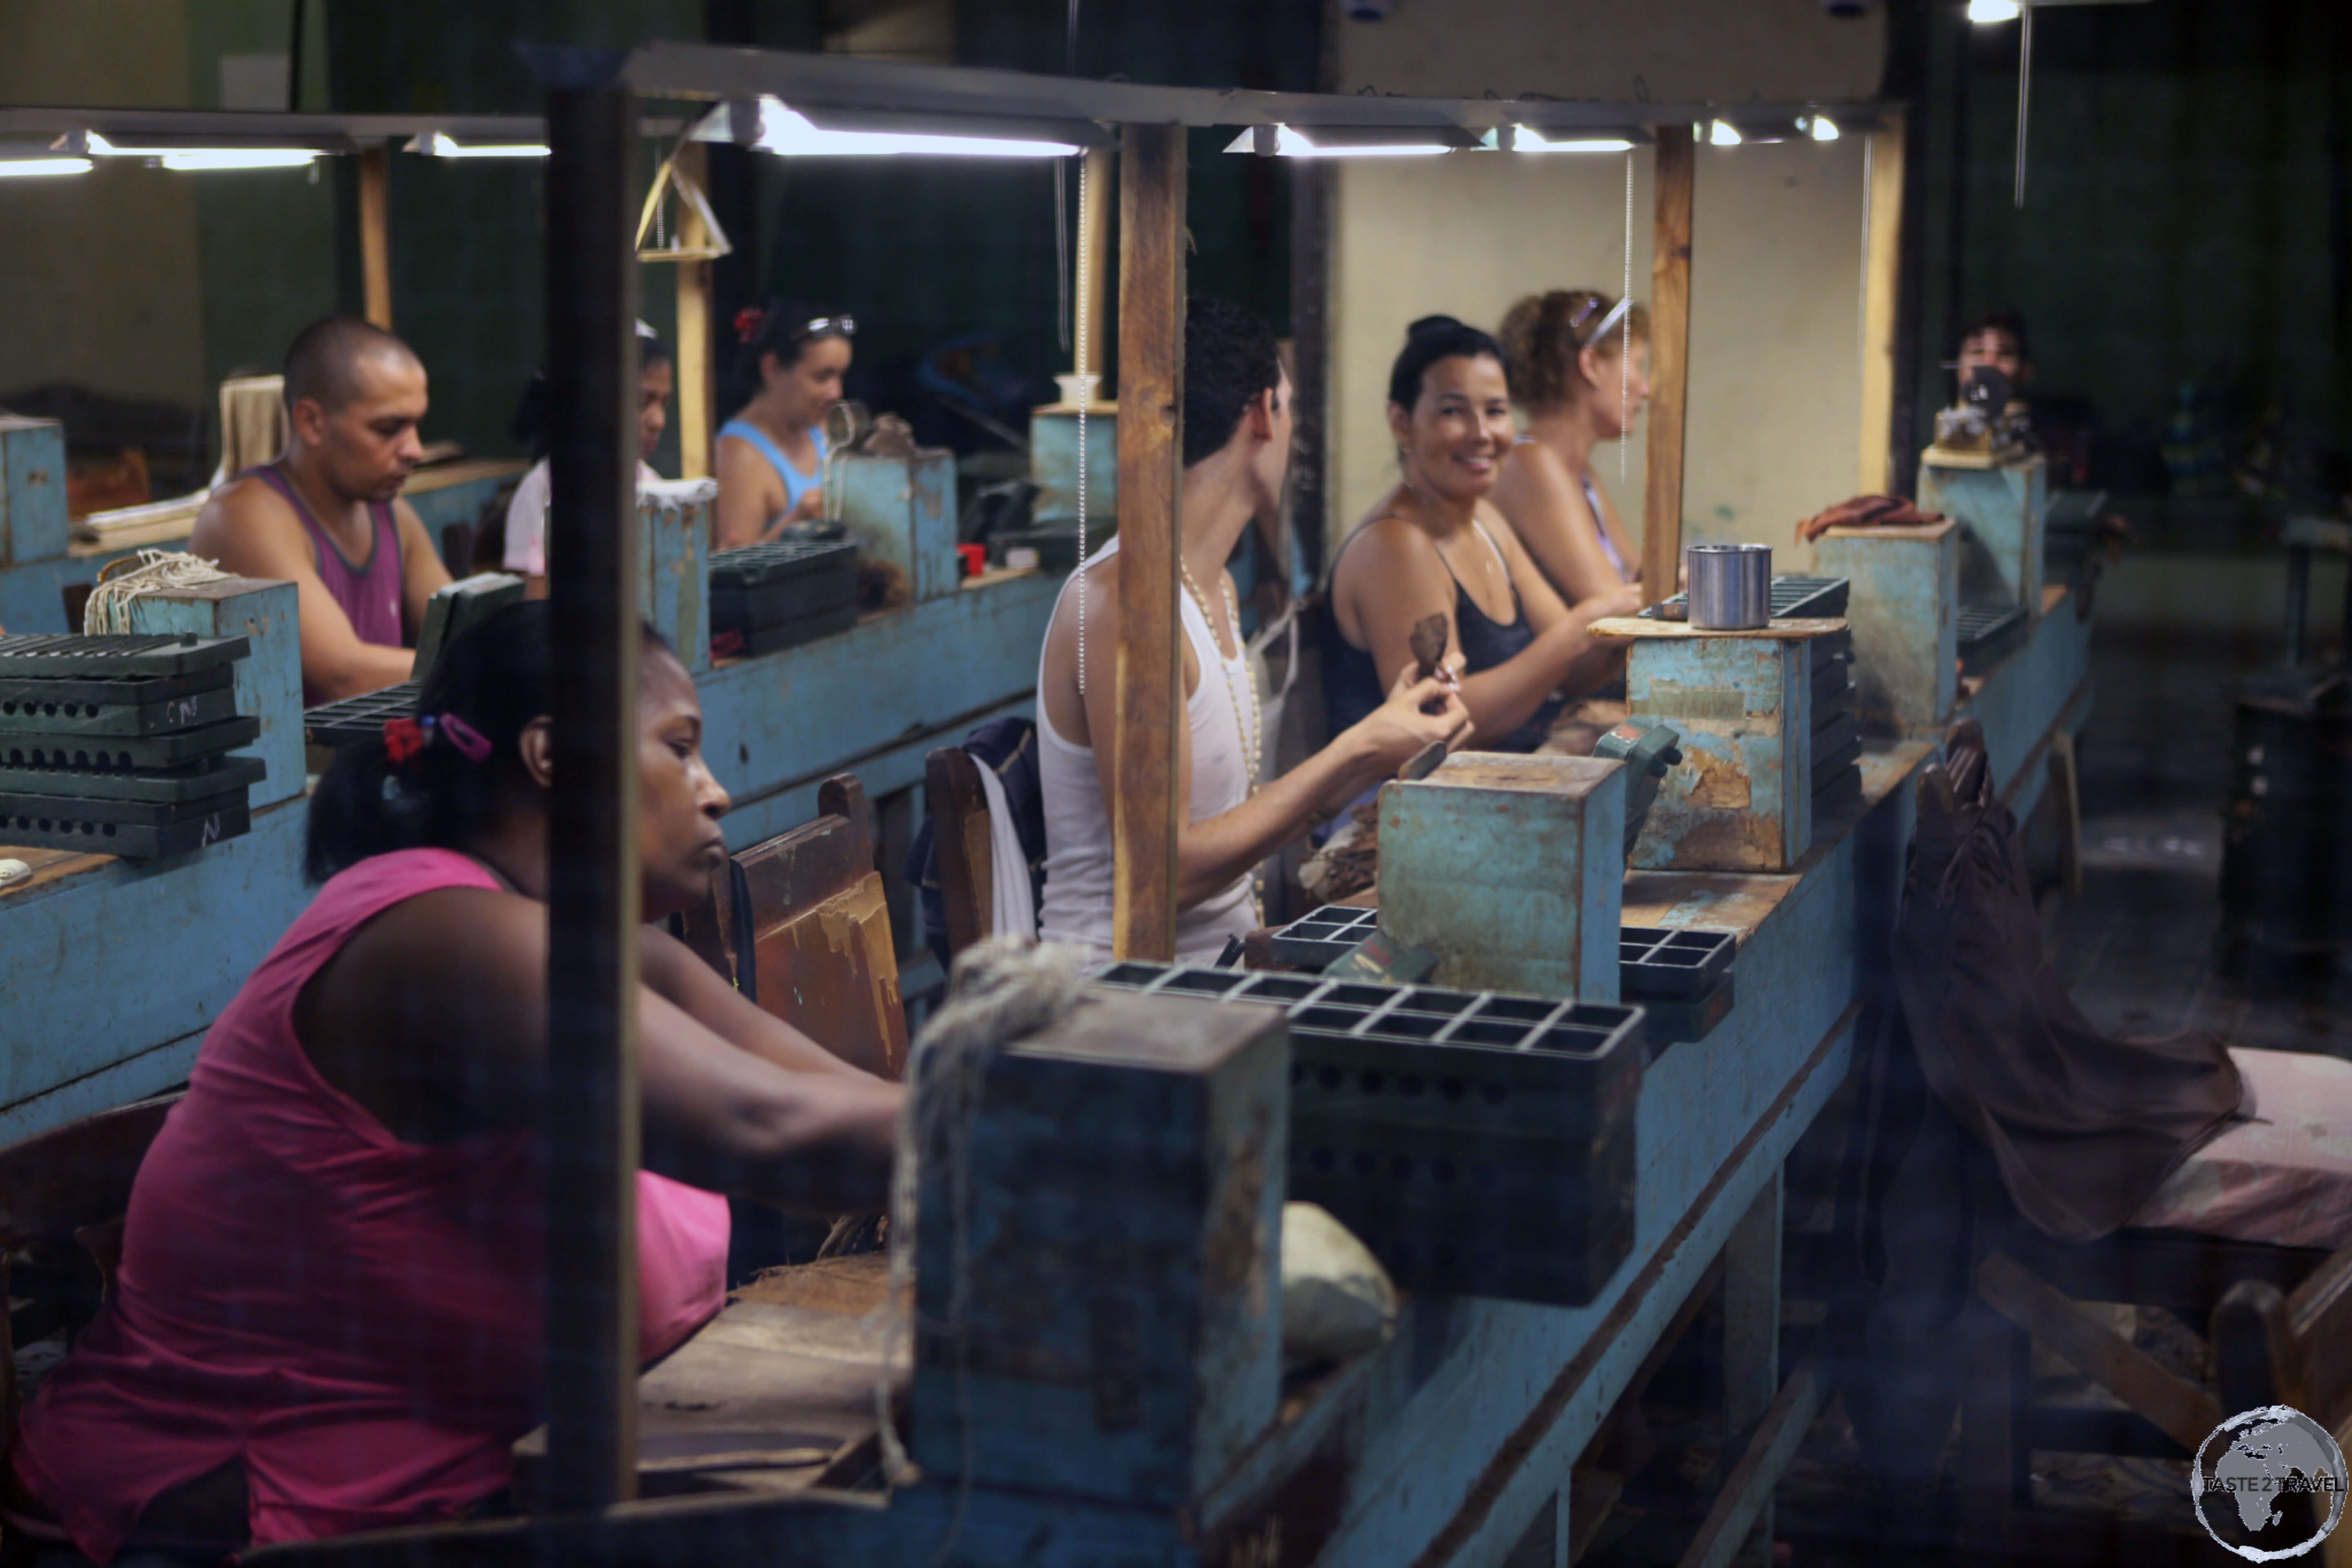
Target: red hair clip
column 403, row 739
column 747, row 323
column 406, row 739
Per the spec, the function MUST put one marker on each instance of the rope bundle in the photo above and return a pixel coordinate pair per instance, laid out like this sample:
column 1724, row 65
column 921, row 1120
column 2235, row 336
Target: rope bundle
column 1000, row 991
column 108, row 610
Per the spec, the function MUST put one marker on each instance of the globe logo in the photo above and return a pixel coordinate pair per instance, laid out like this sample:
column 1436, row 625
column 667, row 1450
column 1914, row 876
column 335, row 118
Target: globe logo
column 2265, row 1462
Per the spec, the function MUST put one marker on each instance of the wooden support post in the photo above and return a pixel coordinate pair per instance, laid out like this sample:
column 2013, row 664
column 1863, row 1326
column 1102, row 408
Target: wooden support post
column 592, row 909
column 1094, row 265
column 375, row 236
column 1661, row 513
column 1881, row 291
column 1150, row 670
column 698, row 384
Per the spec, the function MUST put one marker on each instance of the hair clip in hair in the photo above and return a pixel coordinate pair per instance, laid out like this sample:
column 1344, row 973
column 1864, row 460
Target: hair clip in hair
column 747, row 321
column 402, row 739
column 405, row 740
column 469, row 741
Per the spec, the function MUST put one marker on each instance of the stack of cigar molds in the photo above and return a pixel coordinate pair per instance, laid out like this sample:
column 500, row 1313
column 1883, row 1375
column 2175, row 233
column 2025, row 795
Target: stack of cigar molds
column 120, row 745
column 768, row 597
column 1479, row 1144
column 1682, row 978
column 1837, row 736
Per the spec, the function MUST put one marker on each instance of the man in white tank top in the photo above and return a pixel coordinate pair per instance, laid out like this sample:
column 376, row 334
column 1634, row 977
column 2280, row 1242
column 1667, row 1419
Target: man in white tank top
column 1237, row 432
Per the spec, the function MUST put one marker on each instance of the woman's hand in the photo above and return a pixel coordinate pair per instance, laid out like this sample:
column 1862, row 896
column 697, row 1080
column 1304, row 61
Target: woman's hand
column 809, row 508
column 1417, row 714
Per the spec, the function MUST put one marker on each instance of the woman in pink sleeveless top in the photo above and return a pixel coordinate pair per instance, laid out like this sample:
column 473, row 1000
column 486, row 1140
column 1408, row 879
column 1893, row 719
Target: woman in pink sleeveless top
column 329, row 1302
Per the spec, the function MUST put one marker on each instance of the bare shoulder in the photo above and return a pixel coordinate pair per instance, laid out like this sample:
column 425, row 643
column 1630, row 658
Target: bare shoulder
column 1102, row 603
column 242, row 517
column 1385, row 542
column 1534, row 473
column 1536, row 459
column 452, row 937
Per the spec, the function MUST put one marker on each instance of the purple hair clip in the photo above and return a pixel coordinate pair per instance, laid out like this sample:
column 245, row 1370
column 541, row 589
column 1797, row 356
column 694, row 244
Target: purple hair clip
column 468, row 741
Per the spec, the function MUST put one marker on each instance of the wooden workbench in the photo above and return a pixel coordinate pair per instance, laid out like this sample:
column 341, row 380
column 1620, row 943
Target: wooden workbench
column 1449, row 1444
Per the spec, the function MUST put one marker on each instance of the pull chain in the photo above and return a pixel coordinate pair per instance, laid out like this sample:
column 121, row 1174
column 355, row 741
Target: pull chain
column 1625, row 343
column 1086, row 385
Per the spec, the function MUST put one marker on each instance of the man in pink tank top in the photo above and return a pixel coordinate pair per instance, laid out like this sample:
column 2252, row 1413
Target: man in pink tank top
column 327, row 515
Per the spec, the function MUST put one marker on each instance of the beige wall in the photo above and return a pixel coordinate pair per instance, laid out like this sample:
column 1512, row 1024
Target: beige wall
column 99, row 280
column 1776, row 271
column 1777, row 242
column 1465, row 235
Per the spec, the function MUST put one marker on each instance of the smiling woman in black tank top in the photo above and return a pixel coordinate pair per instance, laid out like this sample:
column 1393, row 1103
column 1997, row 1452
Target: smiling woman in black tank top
column 1436, row 547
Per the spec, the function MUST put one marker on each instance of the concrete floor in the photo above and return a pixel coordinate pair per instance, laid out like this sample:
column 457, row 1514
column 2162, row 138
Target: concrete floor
column 2139, row 950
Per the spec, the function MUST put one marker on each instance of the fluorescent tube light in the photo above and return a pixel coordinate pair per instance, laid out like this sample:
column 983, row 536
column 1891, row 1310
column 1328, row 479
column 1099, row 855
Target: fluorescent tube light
column 1291, row 142
column 1986, row 11
column 790, row 134
column 1530, row 139
column 1722, row 133
column 188, row 159
column 438, row 145
column 198, row 159
column 1821, row 128
column 31, row 168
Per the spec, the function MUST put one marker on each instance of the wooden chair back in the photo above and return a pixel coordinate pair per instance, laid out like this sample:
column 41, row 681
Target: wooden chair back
column 2035, row 1286
column 960, row 829
column 2292, row 1348
column 809, row 936
column 70, row 1186
column 2274, row 1347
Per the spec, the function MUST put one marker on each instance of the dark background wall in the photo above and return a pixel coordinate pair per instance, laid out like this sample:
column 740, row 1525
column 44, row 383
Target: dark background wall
column 923, row 252
column 2185, row 252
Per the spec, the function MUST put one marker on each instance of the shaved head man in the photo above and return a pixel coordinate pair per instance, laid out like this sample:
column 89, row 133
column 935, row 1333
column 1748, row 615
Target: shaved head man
column 327, row 515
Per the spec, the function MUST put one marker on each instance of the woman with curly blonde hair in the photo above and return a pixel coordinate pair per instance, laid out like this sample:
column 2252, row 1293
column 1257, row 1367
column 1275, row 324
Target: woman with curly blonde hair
column 1579, row 369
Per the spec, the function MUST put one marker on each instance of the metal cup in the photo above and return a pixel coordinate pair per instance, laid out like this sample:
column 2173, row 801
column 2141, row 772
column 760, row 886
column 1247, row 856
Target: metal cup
column 1730, row 587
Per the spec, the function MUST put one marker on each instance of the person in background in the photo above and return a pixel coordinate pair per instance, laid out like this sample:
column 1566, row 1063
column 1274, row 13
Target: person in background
column 1436, row 547
column 1996, row 336
column 1238, row 439
column 771, row 459
column 526, row 540
column 329, row 1312
column 1581, row 385
column 327, row 515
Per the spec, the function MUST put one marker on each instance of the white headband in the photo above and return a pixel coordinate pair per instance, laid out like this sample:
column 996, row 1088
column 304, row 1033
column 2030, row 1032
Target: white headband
column 1616, row 313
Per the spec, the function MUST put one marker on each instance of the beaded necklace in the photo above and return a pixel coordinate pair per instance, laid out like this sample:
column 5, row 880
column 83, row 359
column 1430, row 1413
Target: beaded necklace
column 1249, row 727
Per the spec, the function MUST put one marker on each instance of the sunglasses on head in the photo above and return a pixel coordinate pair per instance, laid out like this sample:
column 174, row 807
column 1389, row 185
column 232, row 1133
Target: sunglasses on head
column 748, row 321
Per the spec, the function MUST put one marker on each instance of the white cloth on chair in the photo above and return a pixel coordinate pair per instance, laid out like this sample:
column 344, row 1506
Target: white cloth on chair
column 1012, row 906
column 2283, row 1174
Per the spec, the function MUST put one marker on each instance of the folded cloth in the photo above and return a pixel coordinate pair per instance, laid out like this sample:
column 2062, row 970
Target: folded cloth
column 1866, row 512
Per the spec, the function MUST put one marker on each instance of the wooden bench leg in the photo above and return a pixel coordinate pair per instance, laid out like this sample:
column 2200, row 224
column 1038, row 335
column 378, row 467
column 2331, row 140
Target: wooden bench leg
column 1992, row 1467
column 1751, row 1337
column 2066, row 778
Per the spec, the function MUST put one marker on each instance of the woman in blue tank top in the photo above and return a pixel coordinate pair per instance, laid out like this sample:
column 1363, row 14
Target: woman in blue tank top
column 1580, row 370
column 1436, row 547
column 771, row 456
